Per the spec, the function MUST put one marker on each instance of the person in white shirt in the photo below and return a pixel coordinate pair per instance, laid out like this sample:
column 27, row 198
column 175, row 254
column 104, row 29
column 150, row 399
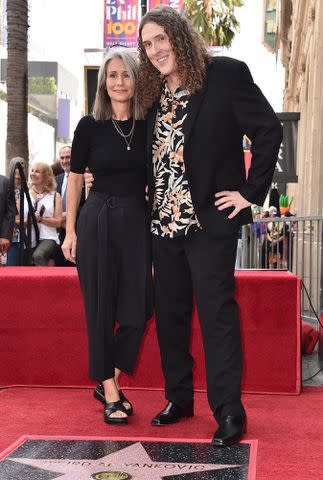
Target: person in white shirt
column 48, row 212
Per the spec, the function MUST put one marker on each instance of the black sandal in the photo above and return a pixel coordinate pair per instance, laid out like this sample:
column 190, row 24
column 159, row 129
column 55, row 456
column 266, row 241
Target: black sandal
column 112, row 407
column 98, row 394
column 124, row 399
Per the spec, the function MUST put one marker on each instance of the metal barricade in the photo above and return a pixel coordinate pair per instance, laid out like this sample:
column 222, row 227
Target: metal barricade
column 289, row 243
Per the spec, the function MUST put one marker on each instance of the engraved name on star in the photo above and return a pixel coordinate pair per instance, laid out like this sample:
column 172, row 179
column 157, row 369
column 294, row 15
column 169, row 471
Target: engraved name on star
column 133, row 460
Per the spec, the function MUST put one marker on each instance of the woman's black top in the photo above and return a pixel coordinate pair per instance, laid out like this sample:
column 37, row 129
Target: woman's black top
column 116, row 170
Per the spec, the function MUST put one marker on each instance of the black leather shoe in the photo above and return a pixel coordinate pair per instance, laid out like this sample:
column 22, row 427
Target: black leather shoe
column 98, row 394
column 112, row 407
column 231, row 428
column 172, row 413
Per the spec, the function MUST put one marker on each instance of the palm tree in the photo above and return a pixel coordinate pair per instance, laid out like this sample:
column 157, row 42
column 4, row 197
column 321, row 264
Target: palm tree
column 214, row 19
column 17, row 79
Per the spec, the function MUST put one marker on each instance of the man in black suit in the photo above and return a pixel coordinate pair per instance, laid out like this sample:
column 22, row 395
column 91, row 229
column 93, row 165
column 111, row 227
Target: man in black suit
column 199, row 110
column 61, row 180
column 7, row 215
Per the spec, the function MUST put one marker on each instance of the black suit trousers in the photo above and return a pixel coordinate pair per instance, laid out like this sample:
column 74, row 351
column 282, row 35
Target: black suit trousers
column 114, row 267
column 202, row 264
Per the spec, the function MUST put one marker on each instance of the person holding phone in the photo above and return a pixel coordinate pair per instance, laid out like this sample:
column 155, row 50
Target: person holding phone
column 48, row 212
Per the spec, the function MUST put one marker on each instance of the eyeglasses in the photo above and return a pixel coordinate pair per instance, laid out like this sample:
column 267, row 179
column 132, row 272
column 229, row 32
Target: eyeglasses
column 67, row 156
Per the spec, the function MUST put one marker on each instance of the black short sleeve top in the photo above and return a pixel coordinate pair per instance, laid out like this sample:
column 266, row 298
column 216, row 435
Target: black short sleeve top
column 116, row 170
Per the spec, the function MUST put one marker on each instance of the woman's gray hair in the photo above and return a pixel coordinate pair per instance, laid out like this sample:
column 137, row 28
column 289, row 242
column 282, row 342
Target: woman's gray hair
column 13, row 162
column 102, row 109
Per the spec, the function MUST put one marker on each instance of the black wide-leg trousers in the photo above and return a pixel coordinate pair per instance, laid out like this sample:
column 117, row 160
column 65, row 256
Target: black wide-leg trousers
column 114, row 266
column 203, row 265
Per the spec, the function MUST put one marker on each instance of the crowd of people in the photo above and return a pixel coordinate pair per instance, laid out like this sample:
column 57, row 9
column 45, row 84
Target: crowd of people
column 173, row 122
column 47, row 189
column 47, row 193
column 269, row 244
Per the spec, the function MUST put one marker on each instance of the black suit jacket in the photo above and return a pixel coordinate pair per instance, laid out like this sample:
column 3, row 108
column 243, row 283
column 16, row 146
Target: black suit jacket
column 228, row 106
column 7, row 209
column 59, row 180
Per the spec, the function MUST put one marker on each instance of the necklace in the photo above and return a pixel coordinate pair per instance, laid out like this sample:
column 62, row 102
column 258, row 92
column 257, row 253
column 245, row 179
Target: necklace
column 127, row 137
column 39, row 195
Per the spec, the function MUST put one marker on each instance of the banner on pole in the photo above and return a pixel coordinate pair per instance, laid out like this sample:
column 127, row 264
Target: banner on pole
column 120, row 23
column 285, row 171
column 270, row 25
column 3, row 23
column 178, row 5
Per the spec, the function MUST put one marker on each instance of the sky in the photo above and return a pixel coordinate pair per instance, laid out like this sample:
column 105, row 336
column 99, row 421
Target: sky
column 247, row 46
column 61, row 30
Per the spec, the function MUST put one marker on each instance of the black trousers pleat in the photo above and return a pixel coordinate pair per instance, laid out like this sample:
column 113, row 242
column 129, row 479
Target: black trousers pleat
column 114, row 266
column 202, row 264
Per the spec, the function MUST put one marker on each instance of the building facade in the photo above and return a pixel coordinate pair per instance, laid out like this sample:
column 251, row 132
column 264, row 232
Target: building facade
column 301, row 49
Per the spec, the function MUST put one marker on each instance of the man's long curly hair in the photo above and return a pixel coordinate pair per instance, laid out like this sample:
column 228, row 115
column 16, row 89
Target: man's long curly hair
column 190, row 52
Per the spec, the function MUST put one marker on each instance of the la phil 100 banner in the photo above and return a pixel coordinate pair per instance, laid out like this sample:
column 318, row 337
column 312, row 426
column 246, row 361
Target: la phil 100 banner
column 121, row 20
column 120, row 23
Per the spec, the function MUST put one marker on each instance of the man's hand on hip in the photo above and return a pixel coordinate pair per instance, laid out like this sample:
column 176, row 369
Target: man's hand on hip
column 229, row 199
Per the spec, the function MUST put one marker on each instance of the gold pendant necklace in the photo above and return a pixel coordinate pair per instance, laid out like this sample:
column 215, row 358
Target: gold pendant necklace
column 39, row 195
column 127, row 137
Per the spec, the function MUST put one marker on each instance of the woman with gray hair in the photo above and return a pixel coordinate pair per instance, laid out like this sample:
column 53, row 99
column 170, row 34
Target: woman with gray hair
column 111, row 245
column 13, row 255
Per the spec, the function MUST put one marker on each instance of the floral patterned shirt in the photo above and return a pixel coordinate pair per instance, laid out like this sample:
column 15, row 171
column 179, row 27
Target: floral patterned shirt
column 173, row 212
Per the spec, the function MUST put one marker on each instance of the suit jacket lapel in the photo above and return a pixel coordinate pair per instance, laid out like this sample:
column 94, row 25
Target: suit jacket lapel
column 193, row 108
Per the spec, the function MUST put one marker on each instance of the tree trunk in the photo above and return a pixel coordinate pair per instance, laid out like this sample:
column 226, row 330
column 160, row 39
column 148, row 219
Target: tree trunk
column 17, row 80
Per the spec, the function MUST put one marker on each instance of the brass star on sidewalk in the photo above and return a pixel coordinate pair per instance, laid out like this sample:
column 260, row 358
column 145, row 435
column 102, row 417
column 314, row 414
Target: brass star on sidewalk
column 132, row 460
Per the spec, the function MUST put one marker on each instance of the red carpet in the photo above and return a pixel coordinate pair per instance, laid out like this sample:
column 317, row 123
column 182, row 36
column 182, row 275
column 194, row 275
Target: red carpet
column 310, row 336
column 289, row 429
column 42, row 328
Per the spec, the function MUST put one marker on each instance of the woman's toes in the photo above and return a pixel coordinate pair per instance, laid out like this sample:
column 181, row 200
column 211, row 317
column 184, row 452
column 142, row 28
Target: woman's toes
column 118, row 414
column 126, row 405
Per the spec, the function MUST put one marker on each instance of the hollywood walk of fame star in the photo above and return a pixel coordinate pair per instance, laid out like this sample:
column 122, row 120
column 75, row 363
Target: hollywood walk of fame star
column 133, row 460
